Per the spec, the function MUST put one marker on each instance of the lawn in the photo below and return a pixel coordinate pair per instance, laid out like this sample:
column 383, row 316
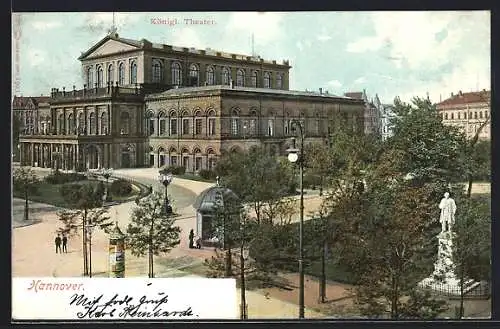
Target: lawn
column 49, row 193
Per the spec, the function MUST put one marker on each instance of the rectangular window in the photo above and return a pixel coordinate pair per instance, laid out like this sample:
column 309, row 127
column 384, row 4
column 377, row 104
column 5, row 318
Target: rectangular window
column 163, row 127
column 173, row 160
column 151, row 128
column 286, row 127
column 211, row 126
column 198, row 126
column 185, row 162
column 185, row 126
column 173, row 126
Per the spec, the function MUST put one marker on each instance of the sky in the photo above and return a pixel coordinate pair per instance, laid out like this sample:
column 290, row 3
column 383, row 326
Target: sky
column 388, row 54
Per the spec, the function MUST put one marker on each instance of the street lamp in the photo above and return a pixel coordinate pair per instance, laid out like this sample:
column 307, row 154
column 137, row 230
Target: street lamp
column 106, row 173
column 166, row 179
column 297, row 156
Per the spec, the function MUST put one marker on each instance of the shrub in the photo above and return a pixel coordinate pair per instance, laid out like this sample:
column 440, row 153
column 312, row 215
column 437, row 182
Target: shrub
column 174, row 170
column 120, row 187
column 207, row 174
column 58, row 177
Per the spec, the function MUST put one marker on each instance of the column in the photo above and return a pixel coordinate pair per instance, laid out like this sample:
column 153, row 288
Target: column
column 77, row 157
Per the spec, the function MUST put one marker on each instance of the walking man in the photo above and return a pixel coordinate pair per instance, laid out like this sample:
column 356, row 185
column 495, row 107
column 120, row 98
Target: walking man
column 65, row 244
column 58, row 244
column 191, row 238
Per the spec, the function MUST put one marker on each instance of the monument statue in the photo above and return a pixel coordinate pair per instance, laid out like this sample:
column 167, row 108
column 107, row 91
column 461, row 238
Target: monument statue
column 447, row 217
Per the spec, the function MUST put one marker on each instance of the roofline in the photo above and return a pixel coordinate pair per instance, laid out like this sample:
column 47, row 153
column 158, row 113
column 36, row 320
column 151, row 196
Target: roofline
column 220, row 89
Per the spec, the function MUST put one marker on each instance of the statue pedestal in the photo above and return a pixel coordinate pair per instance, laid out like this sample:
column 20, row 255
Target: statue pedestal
column 443, row 279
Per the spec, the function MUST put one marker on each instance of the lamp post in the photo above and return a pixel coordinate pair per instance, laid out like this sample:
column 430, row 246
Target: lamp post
column 297, row 155
column 106, row 173
column 166, row 179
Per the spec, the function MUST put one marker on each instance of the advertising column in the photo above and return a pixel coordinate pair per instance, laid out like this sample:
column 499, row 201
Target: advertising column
column 116, row 253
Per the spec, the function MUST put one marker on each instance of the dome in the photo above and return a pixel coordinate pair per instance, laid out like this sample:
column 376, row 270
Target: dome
column 205, row 202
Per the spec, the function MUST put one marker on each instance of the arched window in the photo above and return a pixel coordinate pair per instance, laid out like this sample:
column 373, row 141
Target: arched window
column 93, row 124
column 267, row 80
column 157, row 71
column 194, row 75
column 235, row 122
column 100, row 76
column 176, row 74
column 240, row 78
column 254, row 79
column 162, row 124
column 121, row 74
column 211, row 123
column 124, row 123
column 279, row 81
column 133, row 72
column 110, row 73
column 150, row 124
column 210, row 75
column 90, row 77
column 104, row 123
column 81, row 123
column 70, row 125
column 226, row 76
column 252, row 130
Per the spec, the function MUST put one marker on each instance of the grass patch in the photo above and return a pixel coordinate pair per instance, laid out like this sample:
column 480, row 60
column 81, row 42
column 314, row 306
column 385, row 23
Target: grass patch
column 50, row 194
column 195, row 178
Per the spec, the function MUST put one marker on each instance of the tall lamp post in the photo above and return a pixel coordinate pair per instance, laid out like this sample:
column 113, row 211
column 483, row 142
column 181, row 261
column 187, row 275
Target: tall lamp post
column 297, row 155
column 166, row 179
column 106, row 173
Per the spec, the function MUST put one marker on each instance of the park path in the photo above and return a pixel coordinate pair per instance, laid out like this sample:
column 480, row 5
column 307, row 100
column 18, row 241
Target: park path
column 34, row 252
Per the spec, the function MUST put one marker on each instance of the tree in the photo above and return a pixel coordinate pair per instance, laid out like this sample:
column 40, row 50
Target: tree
column 431, row 151
column 389, row 268
column 472, row 243
column 318, row 163
column 85, row 219
column 84, row 199
column 152, row 230
column 25, row 181
column 473, row 146
column 256, row 177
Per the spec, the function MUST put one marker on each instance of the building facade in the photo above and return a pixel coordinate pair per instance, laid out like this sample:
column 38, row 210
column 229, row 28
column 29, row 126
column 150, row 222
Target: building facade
column 145, row 104
column 468, row 111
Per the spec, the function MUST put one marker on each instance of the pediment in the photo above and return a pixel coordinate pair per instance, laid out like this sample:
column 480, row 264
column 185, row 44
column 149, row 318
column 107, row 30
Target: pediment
column 109, row 47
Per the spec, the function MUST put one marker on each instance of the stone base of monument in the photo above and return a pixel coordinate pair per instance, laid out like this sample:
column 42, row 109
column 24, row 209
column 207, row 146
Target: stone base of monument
column 444, row 280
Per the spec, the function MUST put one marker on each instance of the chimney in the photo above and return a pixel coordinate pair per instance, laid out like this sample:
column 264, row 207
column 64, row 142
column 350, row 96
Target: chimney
column 321, row 91
column 451, row 94
column 460, row 93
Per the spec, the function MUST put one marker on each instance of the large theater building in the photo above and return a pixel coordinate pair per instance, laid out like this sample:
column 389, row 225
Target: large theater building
column 145, row 104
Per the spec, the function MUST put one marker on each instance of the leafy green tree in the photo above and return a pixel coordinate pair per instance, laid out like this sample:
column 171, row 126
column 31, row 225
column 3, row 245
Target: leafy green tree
column 86, row 220
column 430, row 151
column 318, row 163
column 25, row 182
column 152, row 231
column 84, row 199
column 471, row 243
column 390, row 268
column 256, row 177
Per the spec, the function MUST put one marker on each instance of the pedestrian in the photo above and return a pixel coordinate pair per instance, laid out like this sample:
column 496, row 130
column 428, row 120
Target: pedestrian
column 198, row 242
column 191, row 238
column 65, row 244
column 58, row 244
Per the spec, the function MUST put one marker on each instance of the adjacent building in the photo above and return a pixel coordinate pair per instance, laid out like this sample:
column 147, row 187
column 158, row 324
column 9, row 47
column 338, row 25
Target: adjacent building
column 468, row 111
column 146, row 104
